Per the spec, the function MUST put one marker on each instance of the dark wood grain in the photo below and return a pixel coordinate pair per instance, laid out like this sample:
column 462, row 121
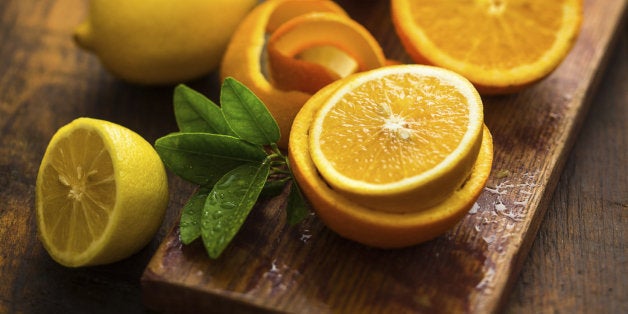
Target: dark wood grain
column 533, row 132
column 577, row 263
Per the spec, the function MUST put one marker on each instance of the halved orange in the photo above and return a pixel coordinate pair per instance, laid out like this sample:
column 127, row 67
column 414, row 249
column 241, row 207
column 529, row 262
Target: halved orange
column 415, row 180
column 499, row 45
column 245, row 57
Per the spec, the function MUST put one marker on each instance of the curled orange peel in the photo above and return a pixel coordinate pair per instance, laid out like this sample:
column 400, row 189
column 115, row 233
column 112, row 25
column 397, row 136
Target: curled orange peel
column 319, row 29
column 245, row 57
column 284, row 10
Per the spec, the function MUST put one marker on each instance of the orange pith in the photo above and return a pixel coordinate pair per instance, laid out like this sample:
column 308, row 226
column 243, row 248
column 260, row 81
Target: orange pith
column 372, row 227
column 399, row 138
column 284, row 86
column 499, row 45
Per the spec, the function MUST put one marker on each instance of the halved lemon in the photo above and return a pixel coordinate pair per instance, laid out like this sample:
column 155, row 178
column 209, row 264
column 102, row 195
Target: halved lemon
column 101, row 193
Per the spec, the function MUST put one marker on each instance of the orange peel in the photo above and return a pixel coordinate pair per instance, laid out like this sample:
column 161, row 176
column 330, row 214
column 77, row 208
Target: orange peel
column 313, row 30
column 245, row 57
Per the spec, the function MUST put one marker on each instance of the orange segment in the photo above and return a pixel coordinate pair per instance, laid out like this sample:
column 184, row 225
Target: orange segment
column 499, row 45
column 315, row 30
column 399, row 138
column 372, row 227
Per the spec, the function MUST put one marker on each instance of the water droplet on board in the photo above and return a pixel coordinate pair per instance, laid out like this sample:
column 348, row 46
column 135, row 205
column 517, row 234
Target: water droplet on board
column 474, row 208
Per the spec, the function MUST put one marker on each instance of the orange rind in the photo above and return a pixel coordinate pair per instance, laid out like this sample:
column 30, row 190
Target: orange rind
column 246, row 54
column 312, row 30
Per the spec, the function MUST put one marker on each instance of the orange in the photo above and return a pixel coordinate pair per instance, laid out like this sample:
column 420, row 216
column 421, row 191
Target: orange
column 501, row 46
column 433, row 188
column 399, row 138
column 246, row 55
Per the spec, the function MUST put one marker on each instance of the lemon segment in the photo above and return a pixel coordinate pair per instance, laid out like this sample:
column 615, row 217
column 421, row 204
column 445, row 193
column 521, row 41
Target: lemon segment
column 101, row 193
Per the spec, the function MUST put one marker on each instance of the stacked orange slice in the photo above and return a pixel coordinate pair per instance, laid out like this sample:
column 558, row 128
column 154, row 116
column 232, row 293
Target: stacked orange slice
column 393, row 156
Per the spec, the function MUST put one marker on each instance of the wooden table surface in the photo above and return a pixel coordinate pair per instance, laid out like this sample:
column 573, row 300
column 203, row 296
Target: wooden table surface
column 578, row 263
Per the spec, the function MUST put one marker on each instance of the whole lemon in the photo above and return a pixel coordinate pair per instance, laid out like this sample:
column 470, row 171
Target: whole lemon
column 162, row 41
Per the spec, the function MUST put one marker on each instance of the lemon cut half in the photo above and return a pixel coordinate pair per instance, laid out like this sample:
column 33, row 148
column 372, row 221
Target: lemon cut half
column 101, row 193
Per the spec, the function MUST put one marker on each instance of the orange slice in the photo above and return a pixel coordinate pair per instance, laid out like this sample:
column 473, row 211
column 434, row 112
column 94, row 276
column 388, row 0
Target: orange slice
column 245, row 58
column 399, row 138
column 499, row 45
column 365, row 224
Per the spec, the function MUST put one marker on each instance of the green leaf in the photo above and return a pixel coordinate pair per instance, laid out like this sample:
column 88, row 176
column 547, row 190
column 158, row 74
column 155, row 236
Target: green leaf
column 229, row 203
column 190, row 224
column 203, row 158
column 196, row 113
column 296, row 209
column 273, row 188
column 246, row 114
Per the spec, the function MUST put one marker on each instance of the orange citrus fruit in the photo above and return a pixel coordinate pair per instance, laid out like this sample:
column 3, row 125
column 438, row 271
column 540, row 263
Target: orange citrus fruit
column 387, row 144
column 246, row 56
column 499, row 45
column 394, row 156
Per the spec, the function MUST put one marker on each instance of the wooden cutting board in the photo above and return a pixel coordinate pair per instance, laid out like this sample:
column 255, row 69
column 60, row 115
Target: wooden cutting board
column 309, row 269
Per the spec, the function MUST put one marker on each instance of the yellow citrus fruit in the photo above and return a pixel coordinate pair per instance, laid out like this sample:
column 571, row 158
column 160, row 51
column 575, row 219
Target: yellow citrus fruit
column 299, row 57
column 402, row 158
column 101, row 193
column 160, row 42
column 501, row 46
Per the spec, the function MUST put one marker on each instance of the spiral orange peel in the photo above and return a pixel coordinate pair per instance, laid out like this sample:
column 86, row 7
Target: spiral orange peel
column 314, row 53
